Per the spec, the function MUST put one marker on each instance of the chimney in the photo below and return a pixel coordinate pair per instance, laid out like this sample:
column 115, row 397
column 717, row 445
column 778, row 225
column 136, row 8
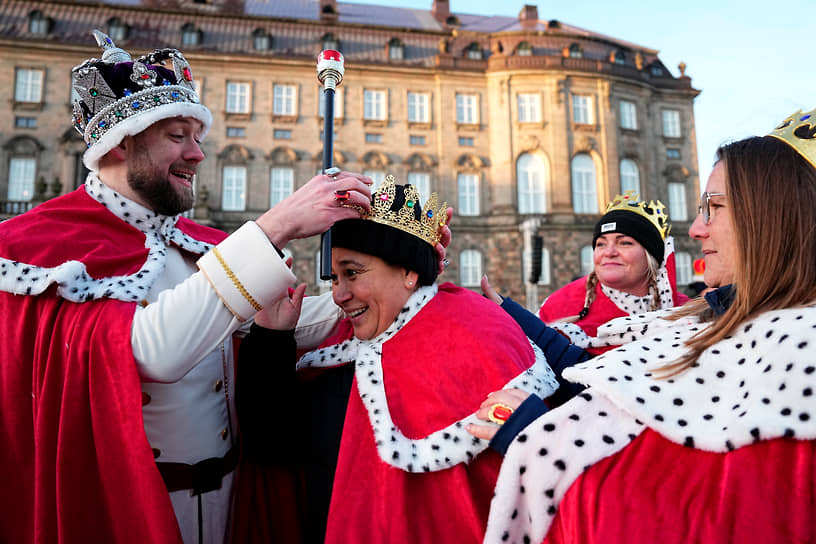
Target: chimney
column 328, row 10
column 528, row 16
column 440, row 10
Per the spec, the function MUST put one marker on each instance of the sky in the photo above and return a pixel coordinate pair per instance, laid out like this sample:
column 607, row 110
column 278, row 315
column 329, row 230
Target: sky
column 753, row 60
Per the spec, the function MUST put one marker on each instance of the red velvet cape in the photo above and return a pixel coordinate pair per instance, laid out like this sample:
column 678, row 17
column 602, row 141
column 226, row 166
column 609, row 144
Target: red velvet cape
column 79, row 467
column 657, row 491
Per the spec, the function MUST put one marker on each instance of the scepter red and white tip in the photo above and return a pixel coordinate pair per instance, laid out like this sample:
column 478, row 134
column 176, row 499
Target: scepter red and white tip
column 330, row 68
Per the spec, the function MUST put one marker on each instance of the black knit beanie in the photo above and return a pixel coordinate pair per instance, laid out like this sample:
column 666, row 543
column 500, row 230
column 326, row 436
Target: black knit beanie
column 392, row 245
column 634, row 225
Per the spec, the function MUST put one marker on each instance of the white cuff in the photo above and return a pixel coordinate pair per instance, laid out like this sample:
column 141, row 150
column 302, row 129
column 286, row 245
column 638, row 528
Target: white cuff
column 246, row 271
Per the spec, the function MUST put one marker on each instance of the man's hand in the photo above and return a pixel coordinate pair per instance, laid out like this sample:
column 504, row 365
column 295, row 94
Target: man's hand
column 315, row 207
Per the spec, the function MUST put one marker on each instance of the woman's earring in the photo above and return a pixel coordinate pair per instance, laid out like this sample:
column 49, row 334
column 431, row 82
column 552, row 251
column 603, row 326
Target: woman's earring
column 410, row 284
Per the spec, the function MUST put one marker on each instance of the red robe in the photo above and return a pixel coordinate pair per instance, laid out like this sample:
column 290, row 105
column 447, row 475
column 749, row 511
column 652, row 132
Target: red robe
column 80, row 468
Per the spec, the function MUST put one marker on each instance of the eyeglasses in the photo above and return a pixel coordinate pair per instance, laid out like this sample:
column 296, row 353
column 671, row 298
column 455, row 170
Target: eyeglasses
column 704, row 208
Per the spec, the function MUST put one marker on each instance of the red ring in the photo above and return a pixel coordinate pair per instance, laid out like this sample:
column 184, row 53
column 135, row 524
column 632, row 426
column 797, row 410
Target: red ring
column 341, row 195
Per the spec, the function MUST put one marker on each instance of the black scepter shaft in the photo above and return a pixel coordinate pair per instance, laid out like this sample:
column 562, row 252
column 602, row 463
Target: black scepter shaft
column 330, row 73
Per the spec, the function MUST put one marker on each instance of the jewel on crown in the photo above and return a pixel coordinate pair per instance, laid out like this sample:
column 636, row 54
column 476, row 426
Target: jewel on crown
column 653, row 210
column 799, row 132
column 431, row 221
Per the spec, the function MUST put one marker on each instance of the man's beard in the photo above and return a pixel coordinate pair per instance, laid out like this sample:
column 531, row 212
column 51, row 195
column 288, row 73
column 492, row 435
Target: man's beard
column 153, row 186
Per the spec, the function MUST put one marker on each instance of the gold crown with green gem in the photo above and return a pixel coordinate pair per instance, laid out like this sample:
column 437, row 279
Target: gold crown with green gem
column 653, row 210
column 799, row 132
column 432, row 219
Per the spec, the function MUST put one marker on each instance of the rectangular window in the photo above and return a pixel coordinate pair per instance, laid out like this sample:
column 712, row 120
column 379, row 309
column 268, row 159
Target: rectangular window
column 529, row 108
column 233, row 195
column 338, row 103
column 465, row 141
column 282, row 134
column 417, row 140
column 372, row 138
column 470, row 268
column 468, row 189
column 672, row 153
column 25, row 122
column 237, row 97
column 236, row 132
column 422, row 182
column 544, row 277
column 685, row 272
column 467, row 109
column 28, row 85
column 419, row 107
column 671, row 123
column 21, row 179
column 281, row 184
column 628, row 115
column 374, row 107
column 284, row 100
column 677, row 202
column 582, row 109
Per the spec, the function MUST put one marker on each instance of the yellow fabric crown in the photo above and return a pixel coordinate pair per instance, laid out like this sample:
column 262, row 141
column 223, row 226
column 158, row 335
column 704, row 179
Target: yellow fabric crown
column 432, row 220
column 653, row 210
column 799, row 132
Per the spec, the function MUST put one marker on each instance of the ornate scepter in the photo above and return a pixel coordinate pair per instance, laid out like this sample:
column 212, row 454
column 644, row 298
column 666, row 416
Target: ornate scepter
column 330, row 74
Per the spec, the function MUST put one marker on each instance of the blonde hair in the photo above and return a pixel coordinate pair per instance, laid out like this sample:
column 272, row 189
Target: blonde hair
column 770, row 190
column 652, row 270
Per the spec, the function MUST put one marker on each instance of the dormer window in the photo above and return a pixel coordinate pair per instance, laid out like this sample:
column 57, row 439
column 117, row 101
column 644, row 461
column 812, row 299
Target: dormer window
column 656, row 70
column 452, row 20
column 618, row 57
column 261, row 40
column 330, row 41
column 38, row 23
column 117, row 30
column 190, row 35
column 396, row 49
column 473, row 51
column 575, row 51
column 524, row 49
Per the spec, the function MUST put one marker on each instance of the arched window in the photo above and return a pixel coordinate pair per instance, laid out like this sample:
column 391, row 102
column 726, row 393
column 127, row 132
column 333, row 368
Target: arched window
column 190, row 35
column 261, row 40
column 396, row 49
column 629, row 176
column 330, row 41
column 584, row 195
column 470, row 268
column 474, row 51
column 587, row 263
column 38, row 23
column 524, row 49
column 117, row 30
column 532, row 179
column 575, row 51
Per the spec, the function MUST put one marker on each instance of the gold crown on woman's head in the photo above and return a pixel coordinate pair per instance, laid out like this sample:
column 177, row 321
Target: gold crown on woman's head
column 653, row 210
column 799, row 132
column 427, row 227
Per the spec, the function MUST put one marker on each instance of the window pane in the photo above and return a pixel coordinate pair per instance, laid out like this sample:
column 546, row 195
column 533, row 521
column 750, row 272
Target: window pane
column 584, row 197
column 281, row 183
column 529, row 110
column 374, row 105
column 422, row 182
column 628, row 115
column 587, row 263
column 338, row 103
column 237, row 97
column 233, row 197
column 544, row 277
column 582, row 109
column 630, row 177
column 532, row 184
column 470, row 268
column 677, row 202
column 283, row 102
column 21, row 179
column 671, row 123
column 28, row 85
column 468, row 189
column 685, row 273
column 418, row 107
column 467, row 109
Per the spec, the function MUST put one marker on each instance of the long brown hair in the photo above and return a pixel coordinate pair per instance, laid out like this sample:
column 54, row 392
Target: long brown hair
column 771, row 193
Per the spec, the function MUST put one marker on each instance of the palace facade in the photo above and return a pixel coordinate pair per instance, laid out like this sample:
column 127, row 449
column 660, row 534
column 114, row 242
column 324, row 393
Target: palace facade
column 527, row 126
